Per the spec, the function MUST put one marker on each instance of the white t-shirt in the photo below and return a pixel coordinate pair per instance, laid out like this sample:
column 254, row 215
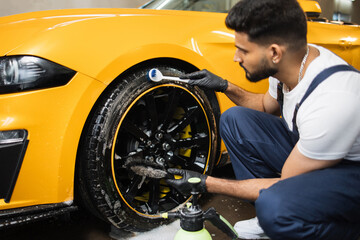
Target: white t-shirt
column 329, row 119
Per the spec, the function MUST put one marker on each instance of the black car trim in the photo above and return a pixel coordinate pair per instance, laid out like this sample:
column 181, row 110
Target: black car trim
column 19, row 216
column 11, row 158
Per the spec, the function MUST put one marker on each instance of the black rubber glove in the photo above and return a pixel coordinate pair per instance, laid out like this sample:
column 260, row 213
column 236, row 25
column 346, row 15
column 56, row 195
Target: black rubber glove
column 206, row 79
column 182, row 184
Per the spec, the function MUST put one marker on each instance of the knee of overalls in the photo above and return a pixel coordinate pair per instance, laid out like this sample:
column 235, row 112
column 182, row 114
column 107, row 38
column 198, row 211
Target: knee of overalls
column 234, row 120
column 280, row 218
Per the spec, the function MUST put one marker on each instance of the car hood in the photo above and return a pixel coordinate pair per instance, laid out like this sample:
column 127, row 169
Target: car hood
column 77, row 38
column 17, row 29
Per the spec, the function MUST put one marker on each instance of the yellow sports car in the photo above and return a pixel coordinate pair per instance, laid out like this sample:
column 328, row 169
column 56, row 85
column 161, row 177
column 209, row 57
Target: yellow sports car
column 78, row 116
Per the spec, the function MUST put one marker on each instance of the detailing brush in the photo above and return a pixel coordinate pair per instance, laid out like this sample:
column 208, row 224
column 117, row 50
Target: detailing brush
column 156, row 76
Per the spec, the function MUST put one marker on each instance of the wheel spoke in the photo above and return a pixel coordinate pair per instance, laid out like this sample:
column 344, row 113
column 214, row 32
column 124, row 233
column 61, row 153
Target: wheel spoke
column 174, row 98
column 139, row 151
column 181, row 160
column 197, row 141
column 152, row 110
column 153, row 203
column 130, row 193
column 186, row 120
column 175, row 199
column 196, row 168
column 134, row 130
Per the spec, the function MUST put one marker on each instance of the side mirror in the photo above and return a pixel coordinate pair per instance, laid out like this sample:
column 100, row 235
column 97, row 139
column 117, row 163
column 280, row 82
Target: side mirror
column 311, row 8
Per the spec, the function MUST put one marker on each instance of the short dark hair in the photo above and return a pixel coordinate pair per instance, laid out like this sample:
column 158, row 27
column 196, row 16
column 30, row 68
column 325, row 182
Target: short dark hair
column 270, row 21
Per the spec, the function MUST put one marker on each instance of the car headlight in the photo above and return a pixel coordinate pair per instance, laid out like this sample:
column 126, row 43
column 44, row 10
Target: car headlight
column 20, row 73
column 13, row 136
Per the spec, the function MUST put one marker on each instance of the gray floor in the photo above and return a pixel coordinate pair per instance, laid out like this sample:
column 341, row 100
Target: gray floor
column 85, row 227
column 81, row 226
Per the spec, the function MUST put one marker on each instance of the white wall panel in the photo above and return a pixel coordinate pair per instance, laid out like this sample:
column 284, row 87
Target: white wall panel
column 349, row 7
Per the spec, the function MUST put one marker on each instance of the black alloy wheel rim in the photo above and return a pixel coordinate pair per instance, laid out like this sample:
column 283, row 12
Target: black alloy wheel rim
column 164, row 127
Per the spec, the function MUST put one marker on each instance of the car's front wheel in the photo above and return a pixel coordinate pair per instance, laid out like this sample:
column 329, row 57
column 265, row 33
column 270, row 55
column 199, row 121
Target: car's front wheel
column 154, row 126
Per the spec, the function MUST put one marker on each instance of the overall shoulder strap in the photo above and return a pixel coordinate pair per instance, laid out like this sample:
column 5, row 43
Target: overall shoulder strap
column 324, row 75
column 317, row 80
column 280, row 96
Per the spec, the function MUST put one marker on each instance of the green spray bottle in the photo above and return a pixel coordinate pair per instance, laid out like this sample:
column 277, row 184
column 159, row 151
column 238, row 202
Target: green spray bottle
column 192, row 219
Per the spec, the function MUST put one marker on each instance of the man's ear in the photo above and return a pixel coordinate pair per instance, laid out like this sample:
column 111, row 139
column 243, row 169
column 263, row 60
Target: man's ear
column 275, row 53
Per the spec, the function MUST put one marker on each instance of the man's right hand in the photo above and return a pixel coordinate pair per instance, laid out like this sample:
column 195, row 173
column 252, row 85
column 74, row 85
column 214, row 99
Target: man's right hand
column 182, row 184
column 207, row 80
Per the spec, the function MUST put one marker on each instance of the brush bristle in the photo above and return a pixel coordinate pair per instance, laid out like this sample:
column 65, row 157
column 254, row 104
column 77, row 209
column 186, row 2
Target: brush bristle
column 151, row 74
column 148, row 171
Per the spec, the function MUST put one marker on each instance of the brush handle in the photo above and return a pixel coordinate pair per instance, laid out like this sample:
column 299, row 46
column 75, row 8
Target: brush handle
column 175, row 79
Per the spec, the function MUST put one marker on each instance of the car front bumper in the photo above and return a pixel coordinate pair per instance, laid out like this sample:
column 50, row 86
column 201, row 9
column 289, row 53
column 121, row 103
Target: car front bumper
column 53, row 119
column 13, row 145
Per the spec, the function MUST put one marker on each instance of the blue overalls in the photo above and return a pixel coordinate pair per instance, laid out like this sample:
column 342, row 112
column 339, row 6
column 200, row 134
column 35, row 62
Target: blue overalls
column 323, row 204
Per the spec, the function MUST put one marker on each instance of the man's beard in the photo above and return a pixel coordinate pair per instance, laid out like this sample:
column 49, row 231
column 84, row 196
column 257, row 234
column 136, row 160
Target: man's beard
column 264, row 71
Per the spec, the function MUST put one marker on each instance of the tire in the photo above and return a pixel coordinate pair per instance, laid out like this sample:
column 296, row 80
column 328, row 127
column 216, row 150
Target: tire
column 158, row 124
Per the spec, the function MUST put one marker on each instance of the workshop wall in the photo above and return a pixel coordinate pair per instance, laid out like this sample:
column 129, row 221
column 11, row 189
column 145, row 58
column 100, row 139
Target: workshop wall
column 346, row 10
